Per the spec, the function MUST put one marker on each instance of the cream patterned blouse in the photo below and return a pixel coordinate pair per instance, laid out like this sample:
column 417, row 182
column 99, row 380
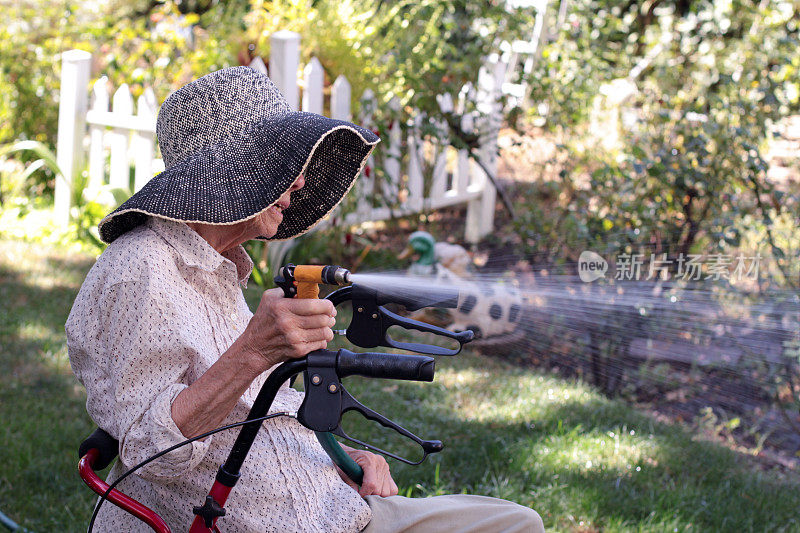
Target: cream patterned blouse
column 154, row 313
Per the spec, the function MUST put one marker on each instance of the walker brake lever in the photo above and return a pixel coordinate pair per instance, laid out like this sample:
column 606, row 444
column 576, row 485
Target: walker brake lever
column 369, row 327
column 351, row 404
column 326, row 398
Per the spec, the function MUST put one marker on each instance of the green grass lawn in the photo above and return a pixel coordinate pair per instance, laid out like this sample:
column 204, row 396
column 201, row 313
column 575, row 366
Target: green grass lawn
column 584, row 462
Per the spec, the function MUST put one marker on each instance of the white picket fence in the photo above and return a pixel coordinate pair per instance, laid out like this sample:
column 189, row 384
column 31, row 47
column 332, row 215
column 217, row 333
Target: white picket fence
column 521, row 55
column 112, row 130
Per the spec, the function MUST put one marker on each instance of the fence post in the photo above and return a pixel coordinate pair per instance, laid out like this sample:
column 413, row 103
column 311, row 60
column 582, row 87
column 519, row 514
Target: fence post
column 440, row 186
column 366, row 185
column 97, row 155
column 462, row 179
column 119, row 173
column 284, row 61
column 480, row 211
column 538, row 37
column 144, row 142
column 340, row 99
column 313, row 77
column 391, row 187
column 258, row 64
column 416, row 182
column 340, row 109
column 74, row 96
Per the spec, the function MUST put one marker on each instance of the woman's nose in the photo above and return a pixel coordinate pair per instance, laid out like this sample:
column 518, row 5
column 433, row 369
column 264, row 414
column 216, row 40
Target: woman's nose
column 299, row 183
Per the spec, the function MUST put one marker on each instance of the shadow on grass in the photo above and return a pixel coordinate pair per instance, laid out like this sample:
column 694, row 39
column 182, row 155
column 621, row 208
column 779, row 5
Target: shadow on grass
column 594, row 461
column 41, row 403
column 667, row 478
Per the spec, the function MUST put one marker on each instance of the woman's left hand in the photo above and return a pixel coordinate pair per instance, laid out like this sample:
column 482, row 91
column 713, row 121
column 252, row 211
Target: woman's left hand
column 377, row 478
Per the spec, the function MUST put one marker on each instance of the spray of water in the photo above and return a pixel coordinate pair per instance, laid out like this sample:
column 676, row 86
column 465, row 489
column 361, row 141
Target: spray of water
column 680, row 346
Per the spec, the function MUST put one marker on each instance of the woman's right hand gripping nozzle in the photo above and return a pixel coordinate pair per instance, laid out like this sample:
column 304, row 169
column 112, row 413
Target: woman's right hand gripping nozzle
column 288, row 328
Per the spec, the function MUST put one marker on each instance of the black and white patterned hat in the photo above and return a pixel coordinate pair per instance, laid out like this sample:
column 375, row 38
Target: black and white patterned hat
column 232, row 147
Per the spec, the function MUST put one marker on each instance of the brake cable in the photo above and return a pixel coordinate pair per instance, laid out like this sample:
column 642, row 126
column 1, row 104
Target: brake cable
column 104, row 496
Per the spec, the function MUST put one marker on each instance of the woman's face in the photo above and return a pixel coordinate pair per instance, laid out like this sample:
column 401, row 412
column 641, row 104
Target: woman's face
column 223, row 237
column 267, row 222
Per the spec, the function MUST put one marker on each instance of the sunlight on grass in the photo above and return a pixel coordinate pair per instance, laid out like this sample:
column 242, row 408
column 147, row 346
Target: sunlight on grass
column 22, row 223
column 41, row 404
column 621, row 451
column 33, row 331
column 33, row 224
column 454, row 380
column 478, row 395
column 45, row 268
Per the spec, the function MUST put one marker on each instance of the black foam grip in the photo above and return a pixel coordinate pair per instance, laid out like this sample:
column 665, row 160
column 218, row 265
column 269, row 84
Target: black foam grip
column 385, row 365
column 107, row 445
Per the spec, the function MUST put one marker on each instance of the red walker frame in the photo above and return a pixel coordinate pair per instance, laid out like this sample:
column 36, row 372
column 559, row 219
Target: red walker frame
column 140, row 511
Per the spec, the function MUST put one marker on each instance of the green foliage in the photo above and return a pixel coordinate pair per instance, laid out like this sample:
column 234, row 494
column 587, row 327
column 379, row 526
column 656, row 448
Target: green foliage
column 262, row 271
column 710, row 80
column 696, row 55
column 684, row 179
column 589, row 50
column 164, row 49
column 32, row 36
column 336, row 33
column 412, row 50
column 436, row 47
column 23, row 207
column 18, row 161
column 161, row 48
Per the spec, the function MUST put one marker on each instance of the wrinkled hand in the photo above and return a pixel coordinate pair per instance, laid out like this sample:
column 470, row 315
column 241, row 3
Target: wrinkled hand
column 288, row 328
column 377, row 478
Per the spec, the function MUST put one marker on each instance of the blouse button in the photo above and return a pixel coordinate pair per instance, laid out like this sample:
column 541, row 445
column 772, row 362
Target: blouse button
column 234, row 316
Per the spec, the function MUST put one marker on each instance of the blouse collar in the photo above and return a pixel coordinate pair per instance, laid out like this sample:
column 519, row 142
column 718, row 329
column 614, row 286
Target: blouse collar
column 195, row 251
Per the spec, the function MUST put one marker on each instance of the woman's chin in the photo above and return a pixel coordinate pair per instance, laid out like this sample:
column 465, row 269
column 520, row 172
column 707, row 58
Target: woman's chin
column 269, row 226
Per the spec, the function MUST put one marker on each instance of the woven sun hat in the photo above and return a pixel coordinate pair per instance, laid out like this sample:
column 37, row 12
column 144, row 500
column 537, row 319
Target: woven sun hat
column 232, row 146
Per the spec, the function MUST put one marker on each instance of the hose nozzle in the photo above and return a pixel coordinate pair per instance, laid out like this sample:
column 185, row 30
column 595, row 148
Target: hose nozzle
column 302, row 281
column 335, row 275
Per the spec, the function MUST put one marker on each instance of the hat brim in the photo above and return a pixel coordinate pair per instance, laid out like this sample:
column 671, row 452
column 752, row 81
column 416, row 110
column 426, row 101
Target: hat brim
column 237, row 179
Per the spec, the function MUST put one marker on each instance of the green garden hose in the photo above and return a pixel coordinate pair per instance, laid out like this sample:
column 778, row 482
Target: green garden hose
column 340, row 457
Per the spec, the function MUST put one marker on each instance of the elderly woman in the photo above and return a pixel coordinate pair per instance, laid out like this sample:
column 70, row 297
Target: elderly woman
column 162, row 339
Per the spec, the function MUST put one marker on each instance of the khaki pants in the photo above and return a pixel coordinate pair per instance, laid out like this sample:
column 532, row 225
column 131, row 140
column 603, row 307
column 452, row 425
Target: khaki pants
column 460, row 513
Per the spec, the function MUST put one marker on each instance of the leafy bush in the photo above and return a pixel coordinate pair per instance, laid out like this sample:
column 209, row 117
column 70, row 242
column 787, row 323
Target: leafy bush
column 710, row 80
column 161, row 48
